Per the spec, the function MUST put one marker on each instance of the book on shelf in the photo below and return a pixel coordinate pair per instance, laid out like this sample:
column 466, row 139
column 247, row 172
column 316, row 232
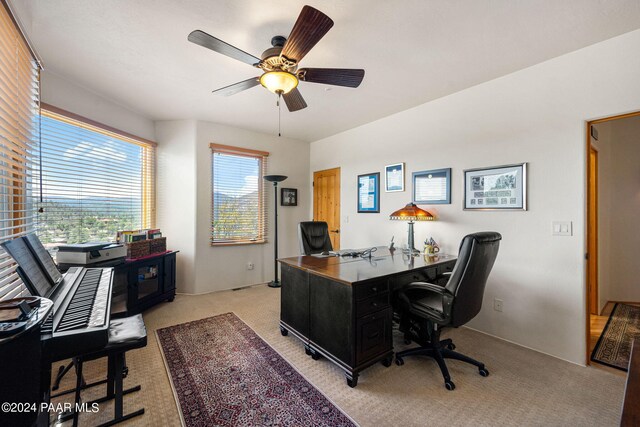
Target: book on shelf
column 129, row 236
column 151, row 232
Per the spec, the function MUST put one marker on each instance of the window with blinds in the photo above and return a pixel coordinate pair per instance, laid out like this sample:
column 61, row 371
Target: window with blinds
column 94, row 181
column 19, row 103
column 238, row 202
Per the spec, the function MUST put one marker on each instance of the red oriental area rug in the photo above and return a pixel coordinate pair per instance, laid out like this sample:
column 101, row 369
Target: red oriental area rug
column 223, row 374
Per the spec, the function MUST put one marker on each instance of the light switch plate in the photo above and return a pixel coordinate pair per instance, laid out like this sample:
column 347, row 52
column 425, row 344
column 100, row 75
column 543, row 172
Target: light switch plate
column 562, row 228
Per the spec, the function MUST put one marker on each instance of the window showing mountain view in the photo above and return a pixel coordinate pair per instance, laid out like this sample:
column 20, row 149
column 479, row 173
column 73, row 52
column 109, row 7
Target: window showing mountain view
column 93, row 183
column 237, row 197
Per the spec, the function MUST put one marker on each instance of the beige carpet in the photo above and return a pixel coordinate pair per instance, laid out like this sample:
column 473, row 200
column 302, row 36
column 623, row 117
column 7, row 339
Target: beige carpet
column 525, row 388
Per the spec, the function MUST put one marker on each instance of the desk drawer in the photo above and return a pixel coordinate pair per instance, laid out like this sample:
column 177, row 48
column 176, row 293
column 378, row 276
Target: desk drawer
column 373, row 335
column 372, row 304
column 367, row 290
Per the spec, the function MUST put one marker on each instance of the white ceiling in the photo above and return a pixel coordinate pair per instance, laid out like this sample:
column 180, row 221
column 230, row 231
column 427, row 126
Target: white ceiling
column 136, row 53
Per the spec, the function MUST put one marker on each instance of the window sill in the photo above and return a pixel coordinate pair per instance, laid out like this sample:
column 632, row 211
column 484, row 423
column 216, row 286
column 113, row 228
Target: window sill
column 239, row 243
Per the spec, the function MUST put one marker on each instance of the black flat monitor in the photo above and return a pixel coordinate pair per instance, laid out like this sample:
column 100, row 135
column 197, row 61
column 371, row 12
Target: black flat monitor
column 44, row 258
column 36, row 281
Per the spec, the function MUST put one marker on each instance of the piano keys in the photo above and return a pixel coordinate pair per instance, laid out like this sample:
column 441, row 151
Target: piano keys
column 80, row 320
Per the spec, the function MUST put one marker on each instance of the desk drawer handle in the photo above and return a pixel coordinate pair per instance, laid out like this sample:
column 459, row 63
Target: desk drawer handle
column 374, row 335
column 374, row 289
column 374, row 304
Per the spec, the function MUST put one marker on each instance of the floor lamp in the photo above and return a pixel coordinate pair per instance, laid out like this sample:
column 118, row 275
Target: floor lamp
column 275, row 179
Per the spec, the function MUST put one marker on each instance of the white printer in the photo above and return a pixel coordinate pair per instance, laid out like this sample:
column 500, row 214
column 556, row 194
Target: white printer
column 90, row 253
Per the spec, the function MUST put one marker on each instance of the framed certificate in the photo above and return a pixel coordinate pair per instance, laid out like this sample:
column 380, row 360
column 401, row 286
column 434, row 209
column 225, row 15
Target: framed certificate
column 496, row 188
column 394, row 178
column 369, row 193
column 432, row 187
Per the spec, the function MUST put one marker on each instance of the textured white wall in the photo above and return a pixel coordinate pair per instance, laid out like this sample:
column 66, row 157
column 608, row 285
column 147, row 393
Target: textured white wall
column 536, row 115
column 64, row 94
column 176, row 195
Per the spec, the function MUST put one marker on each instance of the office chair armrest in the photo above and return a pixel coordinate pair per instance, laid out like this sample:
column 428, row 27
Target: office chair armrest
column 424, row 286
column 414, row 290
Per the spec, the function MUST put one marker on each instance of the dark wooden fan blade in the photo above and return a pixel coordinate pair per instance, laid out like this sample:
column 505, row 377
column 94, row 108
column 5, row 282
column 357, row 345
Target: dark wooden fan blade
column 332, row 76
column 294, row 100
column 210, row 42
column 238, row 87
column 310, row 27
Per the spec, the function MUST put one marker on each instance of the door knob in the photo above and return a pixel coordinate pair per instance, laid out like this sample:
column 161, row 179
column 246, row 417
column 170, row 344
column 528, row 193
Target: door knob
column 335, row 231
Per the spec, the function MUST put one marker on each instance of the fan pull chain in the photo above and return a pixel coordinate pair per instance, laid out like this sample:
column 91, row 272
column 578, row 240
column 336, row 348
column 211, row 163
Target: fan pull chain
column 279, row 108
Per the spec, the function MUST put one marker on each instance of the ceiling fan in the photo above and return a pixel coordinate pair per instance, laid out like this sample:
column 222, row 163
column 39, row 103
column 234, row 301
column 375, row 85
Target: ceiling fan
column 280, row 62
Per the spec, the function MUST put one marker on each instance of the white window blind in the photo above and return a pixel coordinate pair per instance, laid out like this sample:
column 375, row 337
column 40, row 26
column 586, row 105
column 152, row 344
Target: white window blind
column 19, row 103
column 238, row 203
column 95, row 181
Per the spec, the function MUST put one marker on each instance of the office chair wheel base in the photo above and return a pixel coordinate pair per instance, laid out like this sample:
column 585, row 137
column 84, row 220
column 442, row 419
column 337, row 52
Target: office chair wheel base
column 450, row 385
column 451, row 346
column 483, row 372
column 399, row 361
column 283, row 331
column 315, row 356
column 387, row 361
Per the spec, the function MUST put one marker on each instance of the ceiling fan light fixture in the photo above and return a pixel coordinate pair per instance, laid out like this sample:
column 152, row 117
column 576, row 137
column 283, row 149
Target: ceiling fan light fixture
column 279, row 81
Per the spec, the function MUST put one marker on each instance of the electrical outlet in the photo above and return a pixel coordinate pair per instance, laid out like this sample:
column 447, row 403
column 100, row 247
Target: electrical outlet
column 250, row 266
column 497, row 304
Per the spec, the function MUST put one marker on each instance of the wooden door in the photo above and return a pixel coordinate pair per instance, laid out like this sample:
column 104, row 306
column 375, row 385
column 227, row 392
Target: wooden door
column 326, row 202
column 592, row 232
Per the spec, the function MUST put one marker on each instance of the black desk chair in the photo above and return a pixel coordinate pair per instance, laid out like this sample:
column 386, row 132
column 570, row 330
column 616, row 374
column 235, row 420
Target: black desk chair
column 425, row 309
column 125, row 334
column 313, row 237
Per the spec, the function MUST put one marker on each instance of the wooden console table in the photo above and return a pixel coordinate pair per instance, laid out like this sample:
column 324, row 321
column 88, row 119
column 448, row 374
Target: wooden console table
column 340, row 307
column 141, row 283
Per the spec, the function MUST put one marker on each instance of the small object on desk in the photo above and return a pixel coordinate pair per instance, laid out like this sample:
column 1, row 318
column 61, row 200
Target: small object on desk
column 431, row 247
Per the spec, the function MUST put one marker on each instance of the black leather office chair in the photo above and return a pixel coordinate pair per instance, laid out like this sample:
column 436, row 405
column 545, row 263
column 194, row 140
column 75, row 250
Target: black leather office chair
column 425, row 309
column 314, row 237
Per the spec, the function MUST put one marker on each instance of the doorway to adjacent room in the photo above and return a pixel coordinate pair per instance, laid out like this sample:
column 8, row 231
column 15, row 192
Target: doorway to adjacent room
column 613, row 195
column 326, row 202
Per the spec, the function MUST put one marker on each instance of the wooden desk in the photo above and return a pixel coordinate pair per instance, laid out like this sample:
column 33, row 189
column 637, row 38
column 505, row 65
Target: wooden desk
column 340, row 307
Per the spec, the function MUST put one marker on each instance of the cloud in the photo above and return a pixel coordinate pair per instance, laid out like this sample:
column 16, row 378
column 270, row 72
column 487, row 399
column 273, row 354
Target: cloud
column 250, row 186
column 107, row 150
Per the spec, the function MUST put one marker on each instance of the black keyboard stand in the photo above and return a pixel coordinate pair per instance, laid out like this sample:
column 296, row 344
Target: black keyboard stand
column 116, row 369
column 84, row 385
column 62, row 371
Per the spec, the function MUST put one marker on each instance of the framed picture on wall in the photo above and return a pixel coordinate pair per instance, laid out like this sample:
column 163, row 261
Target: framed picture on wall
column 288, row 197
column 394, row 177
column 432, row 187
column 369, row 193
column 496, row 188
